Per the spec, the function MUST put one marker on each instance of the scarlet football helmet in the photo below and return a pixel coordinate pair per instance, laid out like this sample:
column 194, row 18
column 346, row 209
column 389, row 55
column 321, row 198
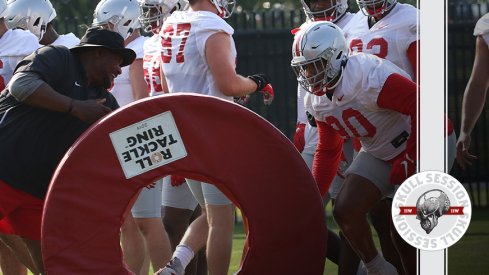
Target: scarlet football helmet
column 154, row 12
column 319, row 54
column 31, row 15
column 335, row 11
column 375, row 8
column 122, row 15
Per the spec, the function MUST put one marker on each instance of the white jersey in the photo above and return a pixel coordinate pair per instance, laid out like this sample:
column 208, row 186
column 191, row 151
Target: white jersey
column 14, row 45
column 482, row 28
column 310, row 133
column 353, row 109
column 389, row 38
column 68, row 40
column 151, row 65
column 184, row 36
column 122, row 89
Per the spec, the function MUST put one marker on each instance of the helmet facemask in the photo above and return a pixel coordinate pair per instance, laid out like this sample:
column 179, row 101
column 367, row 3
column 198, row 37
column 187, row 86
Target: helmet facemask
column 33, row 16
column 376, row 8
column 319, row 56
column 333, row 13
column 225, row 8
column 154, row 13
column 152, row 16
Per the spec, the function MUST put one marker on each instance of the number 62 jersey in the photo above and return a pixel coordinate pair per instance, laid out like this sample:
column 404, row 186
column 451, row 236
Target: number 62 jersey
column 183, row 40
column 353, row 110
column 390, row 38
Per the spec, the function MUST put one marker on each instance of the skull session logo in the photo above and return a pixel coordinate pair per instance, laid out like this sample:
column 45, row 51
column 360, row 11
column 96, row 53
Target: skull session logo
column 431, row 210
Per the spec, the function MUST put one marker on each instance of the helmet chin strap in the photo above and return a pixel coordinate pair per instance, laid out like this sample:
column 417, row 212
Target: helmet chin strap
column 328, row 88
column 220, row 10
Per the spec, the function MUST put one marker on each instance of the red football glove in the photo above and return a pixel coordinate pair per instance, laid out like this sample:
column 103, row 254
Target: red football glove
column 176, row 180
column 268, row 94
column 263, row 85
column 402, row 168
column 299, row 141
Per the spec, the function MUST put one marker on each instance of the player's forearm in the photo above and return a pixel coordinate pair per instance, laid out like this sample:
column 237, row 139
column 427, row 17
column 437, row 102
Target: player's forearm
column 472, row 106
column 237, row 86
column 47, row 98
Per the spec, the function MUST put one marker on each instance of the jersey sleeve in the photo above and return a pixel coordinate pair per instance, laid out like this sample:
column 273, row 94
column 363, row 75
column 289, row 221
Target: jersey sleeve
column 327, row 156
column 482, row 26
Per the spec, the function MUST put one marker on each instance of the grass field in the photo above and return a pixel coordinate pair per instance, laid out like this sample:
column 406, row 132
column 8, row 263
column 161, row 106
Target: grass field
column 470, row 256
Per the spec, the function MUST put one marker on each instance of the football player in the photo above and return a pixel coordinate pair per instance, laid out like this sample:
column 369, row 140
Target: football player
column 14, row 45
column 475, row 92
column 388, row 29
column 198, row 54
column 123, row 16
column 178, row 204
column 37, row 17
column 306, row 138
column 364, row 97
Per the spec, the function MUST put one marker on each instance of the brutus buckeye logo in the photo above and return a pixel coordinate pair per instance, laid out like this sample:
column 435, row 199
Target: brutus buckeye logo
column 431, row 210
column 429, row 207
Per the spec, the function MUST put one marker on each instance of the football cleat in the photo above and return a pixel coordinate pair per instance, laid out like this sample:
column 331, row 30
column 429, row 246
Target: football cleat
column 174, row 267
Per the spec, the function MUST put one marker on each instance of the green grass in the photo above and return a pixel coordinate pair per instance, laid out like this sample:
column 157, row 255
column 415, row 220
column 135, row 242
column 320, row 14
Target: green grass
column 239, row 239
column 469, row 256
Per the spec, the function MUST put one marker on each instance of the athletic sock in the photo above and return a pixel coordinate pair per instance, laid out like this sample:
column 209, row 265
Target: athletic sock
column 184, row 253
column 380, row 266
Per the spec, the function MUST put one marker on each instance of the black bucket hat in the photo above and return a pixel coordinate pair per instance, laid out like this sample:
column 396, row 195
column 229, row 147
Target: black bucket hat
column 98, row 37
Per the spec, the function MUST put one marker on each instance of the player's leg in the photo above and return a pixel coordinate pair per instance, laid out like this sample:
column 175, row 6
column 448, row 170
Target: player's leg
column 147, row 214
column 380, row 217
column 180, row 208
column 367, row 182
column 132, row 243
column 407, row 252
column 353, row 203
column 9, row 264
column 34, row 247
column 220, row 217
column 15, row 249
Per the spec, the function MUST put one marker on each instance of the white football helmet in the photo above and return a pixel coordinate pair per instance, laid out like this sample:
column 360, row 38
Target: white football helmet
column 154, row 12
column 335, row 11
column 225, row 8
column 31, row 15
column 319, row 54
column 3, row 7
column 375, row 8
column 123, row 15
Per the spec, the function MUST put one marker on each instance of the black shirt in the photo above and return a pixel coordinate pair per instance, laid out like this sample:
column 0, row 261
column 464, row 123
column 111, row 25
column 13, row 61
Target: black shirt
column 33, row 140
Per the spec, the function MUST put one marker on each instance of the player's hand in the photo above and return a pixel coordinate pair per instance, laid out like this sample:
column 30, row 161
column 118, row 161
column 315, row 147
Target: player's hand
column 90, row 110
column 311, row 119
column 299, row 141
column 464, row 158
column 176, row 180
column 263, row 85
column 402, row 169
column 242, row 100
column 268, row 94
